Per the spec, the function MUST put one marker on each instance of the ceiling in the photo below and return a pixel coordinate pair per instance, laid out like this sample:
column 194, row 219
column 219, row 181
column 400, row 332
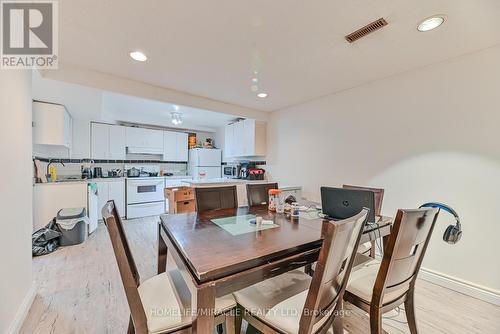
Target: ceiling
column 210, row 48
column 138, row 110
column 98, row 105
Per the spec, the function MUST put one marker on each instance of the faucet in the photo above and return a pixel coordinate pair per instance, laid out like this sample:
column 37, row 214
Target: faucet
column 50, row 162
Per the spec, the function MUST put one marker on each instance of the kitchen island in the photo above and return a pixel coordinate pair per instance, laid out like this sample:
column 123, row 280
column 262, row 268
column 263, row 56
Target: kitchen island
column 241, row 187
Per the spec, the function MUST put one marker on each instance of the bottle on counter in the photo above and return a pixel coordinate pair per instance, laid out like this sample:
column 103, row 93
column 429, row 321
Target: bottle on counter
column 274, row 198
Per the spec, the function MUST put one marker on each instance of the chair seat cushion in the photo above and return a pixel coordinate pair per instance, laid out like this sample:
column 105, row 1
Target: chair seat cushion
column 278, row 301
column 362, row 281
column 165, row 297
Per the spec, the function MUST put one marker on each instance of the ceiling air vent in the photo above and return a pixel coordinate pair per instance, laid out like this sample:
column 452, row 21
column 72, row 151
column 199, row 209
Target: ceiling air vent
column 368, row 29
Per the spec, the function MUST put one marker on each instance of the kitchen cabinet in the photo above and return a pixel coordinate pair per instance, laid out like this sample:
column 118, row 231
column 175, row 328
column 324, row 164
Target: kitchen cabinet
column 107, row 141
column 245, row 138
column 175, row 146
column 51, row 124
column 229, row 141
column 117, row 142
column 144, row 141
column 111, row 190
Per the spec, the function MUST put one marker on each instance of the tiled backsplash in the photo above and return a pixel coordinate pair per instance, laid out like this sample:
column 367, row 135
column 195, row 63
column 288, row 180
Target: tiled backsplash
column 74, row 168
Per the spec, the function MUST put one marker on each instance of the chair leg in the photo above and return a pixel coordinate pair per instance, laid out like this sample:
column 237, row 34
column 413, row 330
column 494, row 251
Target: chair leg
column 131, row 329
column 375, row 320
column 230, row 323
column 410, row 312
column 338, row 322
column 372, row 249
column 338, row 325
column 238, row 319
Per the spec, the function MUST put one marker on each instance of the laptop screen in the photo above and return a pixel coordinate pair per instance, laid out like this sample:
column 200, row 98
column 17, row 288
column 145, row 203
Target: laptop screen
column 340, row 203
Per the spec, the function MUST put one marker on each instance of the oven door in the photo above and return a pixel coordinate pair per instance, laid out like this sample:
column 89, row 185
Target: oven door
column 145, row 191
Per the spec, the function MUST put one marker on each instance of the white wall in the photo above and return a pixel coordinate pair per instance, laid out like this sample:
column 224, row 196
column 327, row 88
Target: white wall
column 16, row 196
column 431, row 134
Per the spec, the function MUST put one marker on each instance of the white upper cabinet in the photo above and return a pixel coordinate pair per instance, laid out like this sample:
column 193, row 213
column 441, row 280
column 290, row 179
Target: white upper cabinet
column 144, row 141
column 229, row 141
column 169, row 146
column 182, row 146
column 51, row 124
column 245, row 138
column 175, row 146
column 117, row 142
column 108, row 141
column 100, row 141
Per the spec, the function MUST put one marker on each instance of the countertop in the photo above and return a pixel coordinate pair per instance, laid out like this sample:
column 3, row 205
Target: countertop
column 215, row 181
column 107, row 179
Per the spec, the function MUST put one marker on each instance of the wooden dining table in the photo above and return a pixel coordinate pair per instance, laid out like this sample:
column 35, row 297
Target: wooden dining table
column 215, row 261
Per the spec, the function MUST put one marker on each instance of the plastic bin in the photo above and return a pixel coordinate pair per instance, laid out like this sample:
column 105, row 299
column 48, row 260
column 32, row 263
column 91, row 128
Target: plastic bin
column 73, row 225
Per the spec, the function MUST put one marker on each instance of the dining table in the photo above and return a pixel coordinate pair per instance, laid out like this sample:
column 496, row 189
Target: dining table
column 222, row 251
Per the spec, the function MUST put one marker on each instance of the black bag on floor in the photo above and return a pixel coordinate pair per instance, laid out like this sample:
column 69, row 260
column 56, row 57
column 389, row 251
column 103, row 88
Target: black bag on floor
column 46, row 239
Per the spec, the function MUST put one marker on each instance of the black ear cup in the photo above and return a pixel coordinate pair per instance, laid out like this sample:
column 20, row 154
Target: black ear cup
column 452, row 234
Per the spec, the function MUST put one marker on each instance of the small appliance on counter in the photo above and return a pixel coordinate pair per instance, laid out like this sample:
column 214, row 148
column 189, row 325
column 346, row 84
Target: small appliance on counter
column 255, row 174
column 97, row 172
column 113, row 173
column 86, row 173
column 249, row 171
column 133, row 172
column 143, row 171
column 231, row 171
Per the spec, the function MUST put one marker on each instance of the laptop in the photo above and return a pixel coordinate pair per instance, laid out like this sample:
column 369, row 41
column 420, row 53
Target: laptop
column 340, row 203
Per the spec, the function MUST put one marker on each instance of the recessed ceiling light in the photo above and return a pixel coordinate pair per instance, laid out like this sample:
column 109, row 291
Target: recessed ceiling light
column 430, row 23
column 138, row 55
column 262, row 95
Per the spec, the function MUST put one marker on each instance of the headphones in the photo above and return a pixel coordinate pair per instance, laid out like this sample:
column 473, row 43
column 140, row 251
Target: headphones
column 453, row 233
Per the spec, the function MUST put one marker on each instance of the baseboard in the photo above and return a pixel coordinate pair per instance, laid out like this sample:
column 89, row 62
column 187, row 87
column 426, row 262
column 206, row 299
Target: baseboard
column 465, row 287
column 22, row 311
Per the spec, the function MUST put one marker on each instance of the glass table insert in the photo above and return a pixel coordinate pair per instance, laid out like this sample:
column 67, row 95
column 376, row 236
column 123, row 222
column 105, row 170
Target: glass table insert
column 237, row 225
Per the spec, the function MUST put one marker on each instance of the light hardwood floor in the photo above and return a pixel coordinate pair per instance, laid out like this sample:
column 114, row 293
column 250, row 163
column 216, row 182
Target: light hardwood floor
column 80, row 291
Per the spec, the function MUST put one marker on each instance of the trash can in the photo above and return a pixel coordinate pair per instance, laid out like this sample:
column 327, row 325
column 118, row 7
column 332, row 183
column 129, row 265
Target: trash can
column 73, row 225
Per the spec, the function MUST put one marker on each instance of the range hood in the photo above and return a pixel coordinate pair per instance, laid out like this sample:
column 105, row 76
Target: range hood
column 144, row 150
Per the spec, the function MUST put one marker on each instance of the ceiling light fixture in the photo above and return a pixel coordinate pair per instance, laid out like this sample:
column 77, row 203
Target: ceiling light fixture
column 176, row 118
column 138, row 55
column 262, row 95
column 430, row 23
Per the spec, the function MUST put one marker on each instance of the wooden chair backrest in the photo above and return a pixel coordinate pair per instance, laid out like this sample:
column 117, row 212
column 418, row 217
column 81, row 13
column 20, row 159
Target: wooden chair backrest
column 126, row 265
column 340, row 242
column 258, row 194
column 212, row 198
column 403, row 255
column 378, row 193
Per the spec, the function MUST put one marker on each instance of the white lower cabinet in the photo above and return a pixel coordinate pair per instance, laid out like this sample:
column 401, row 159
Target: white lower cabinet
column 111, row 190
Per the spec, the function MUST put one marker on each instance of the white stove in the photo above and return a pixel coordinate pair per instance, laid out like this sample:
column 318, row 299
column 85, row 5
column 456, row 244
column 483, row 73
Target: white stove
column 145, row 196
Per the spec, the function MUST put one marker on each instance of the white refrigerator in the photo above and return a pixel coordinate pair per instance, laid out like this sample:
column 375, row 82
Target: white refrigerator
column 205, row 163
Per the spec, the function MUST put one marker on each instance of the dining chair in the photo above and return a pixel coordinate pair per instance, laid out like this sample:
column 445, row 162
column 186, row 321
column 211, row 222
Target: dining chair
column 368, row 248
column 155, row 304
column 377, row 286
column 258, row 194
column 295, row 302
column 212, row 198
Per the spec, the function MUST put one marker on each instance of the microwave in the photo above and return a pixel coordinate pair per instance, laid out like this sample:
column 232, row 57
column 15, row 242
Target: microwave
column 231, row 171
